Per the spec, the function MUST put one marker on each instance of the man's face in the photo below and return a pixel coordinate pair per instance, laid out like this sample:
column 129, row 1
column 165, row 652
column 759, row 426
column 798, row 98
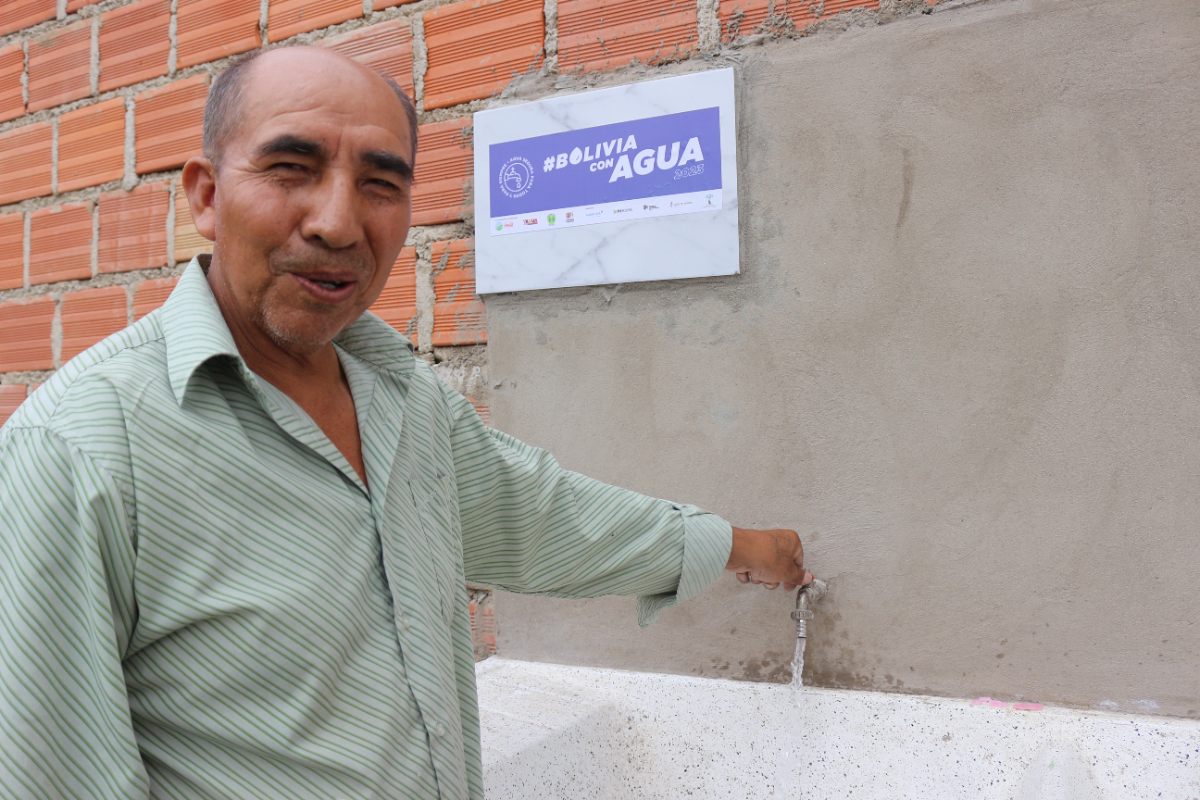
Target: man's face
column 312, row 200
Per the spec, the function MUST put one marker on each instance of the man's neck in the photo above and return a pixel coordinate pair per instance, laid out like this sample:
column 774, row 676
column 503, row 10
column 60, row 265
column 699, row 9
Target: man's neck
column 312, row 377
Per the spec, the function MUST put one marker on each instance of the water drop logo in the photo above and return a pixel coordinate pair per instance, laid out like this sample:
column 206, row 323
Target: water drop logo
column 516, row 176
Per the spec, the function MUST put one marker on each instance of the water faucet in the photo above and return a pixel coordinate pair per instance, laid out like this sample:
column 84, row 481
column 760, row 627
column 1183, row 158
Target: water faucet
column 810, row 594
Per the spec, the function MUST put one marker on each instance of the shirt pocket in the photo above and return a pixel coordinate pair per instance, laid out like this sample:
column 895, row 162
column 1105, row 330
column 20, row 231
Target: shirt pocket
column 437, row 512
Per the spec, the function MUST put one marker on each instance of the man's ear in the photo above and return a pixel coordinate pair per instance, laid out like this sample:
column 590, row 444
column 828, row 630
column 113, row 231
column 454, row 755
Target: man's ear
column 200, row 183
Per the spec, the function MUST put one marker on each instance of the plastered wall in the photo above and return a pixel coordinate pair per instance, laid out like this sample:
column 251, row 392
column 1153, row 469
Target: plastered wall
column 962, row 359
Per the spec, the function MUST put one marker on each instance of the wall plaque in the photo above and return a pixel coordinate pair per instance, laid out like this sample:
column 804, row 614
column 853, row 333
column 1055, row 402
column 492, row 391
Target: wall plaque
column 632, row 183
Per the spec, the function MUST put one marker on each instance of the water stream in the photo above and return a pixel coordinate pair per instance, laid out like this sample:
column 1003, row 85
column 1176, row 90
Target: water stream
column 798, row 667
column 791, row 763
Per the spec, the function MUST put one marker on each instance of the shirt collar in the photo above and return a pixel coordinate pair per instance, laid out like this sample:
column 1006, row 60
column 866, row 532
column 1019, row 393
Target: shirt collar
column 195, row 332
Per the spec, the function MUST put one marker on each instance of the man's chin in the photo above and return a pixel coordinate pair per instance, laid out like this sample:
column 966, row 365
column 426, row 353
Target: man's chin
column 301, row 334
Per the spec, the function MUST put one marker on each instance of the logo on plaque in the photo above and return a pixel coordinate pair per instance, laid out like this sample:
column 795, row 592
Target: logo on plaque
column 516, row 176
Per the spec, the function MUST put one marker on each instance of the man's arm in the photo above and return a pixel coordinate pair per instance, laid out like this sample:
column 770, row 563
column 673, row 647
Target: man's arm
column 66, row 615
column 530, row 526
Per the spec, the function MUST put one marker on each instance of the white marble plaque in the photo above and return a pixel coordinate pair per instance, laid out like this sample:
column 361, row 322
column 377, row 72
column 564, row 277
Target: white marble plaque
column 631, row 183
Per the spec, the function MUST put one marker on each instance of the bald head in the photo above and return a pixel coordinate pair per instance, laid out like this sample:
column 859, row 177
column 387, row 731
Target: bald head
column 224, row 112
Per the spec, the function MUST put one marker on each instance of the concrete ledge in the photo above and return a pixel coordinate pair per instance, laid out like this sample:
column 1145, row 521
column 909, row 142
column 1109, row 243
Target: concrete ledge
column 552, row 732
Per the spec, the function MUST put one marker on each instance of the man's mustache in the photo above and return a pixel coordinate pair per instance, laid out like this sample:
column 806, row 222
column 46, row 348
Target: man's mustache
column 316, row 261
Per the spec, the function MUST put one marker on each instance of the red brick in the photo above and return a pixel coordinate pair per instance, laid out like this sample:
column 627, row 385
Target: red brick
column 60, row 243
column 483, row 626
column 168, row 124
column 602, row 34
column 133, row 228
column 12, row 64
column 134, row 43
column 91, row 145
column 150, row 295
column 289, row 17
column 25, row 327
column 459, row 316
column 91, row 315
column 444, row 169
column 382, row 4
column 476, row 47
column 60, row 64
column 11, row 396
column 397, row 304
column 18, row 14
column 188, row 241
column 75, row 5
column 210, row 29
column 12, row 251
column 744, row 17
column 386, row 47
column 25, row 162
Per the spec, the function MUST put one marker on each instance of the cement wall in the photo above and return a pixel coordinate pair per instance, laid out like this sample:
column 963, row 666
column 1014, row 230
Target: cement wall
column 963, row 359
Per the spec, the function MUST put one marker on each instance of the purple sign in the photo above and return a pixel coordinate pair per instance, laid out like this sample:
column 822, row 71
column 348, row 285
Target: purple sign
column 674, row 154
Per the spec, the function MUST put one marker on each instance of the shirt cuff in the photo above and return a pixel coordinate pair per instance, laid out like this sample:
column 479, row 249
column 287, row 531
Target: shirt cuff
column 707, row 541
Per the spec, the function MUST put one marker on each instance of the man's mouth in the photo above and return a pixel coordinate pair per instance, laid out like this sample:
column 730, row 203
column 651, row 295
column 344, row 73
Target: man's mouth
column 327, row 288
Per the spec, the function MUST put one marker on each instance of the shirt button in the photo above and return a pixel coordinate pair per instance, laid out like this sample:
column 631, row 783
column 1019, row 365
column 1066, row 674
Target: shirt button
column 439, row 729
column 404, row 623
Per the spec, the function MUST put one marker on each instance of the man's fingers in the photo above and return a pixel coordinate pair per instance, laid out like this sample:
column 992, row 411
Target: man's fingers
column 807, row 579
column 743, row 577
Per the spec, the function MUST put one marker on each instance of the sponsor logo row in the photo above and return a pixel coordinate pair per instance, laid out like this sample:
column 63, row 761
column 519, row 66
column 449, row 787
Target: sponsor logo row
column 568, row 217
column 608, row 212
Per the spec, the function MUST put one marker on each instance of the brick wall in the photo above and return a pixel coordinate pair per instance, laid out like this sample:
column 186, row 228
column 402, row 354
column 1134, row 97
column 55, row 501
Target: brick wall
column 101, row 104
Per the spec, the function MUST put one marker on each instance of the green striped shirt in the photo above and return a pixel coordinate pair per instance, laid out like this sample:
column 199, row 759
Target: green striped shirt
column 199, row 598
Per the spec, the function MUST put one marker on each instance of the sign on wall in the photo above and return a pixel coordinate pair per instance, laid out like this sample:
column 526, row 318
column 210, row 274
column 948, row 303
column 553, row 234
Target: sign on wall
column 633, row 183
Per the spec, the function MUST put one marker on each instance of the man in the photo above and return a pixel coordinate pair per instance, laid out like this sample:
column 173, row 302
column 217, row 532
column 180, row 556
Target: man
column 235, row 535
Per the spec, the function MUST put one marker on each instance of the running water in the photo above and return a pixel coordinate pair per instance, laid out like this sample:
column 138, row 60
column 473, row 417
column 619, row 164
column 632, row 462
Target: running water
column 798, row 667
column 791, row 764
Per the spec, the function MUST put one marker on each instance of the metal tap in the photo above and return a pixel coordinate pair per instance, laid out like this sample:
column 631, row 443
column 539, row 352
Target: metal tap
column 810, row 594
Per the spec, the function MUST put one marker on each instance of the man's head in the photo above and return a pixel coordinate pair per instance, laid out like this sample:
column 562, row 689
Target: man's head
column 304, row 190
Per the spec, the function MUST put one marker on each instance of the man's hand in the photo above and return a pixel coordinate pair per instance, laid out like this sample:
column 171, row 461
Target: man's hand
column 768, row 558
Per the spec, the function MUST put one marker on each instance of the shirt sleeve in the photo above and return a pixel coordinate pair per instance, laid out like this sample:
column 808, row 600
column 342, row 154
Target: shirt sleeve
column 66, row 612
column 530, row 526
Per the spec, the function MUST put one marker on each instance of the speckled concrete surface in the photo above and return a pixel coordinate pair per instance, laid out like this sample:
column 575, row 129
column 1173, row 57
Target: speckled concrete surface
column 563, row 732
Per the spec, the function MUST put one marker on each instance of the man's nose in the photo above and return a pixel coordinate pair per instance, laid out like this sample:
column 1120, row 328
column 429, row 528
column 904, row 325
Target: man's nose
column 334, row 213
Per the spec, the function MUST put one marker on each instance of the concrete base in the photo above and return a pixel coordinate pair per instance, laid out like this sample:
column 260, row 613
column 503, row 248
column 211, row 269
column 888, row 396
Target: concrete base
column 554, row 732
